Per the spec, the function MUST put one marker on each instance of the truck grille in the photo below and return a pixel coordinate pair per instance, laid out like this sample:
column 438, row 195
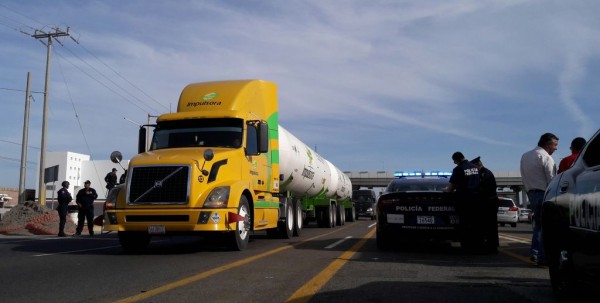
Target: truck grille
column 159, row 185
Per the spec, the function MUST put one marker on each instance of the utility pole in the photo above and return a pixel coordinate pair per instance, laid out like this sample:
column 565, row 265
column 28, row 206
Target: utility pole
column 24, row 143
column 39, row 34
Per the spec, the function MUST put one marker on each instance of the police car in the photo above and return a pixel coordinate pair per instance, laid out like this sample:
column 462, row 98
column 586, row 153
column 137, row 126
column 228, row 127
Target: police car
column 413, row 207
column 571, row 225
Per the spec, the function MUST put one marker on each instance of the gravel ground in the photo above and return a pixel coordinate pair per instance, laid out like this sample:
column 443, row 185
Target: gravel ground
column 30, row 218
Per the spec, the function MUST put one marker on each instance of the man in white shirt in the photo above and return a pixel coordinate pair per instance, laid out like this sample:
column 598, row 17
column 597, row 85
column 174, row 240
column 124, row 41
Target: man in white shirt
column 537, row 169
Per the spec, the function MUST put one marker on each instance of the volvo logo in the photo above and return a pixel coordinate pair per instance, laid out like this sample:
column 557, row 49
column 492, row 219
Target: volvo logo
column 158, row 183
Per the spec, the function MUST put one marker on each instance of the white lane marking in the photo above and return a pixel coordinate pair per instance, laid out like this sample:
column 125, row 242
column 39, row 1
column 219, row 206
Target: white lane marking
column 514, row 239
column 338, row 242
column 75, row 251
column 371, row 225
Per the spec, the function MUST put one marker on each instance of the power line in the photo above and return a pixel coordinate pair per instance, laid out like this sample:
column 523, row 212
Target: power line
column 78, row 120
column 16, row 12
column 19, row 90
column 118, row 74
column 17, row 143
column 107, row 78
column 103, row 84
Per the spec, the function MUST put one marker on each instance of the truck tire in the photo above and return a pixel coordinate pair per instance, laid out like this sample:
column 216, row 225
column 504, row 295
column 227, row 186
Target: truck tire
column 298, row 217
column 238, row 239
column 339, row 212
column 383, row 241
column 320, row 213
column 286, row 227
column 350, row 213
column 332, row 216
column 134, row 242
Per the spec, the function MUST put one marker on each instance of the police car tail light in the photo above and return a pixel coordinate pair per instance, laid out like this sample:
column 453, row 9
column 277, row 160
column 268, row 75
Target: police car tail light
column 217, row 198
column 384, row 202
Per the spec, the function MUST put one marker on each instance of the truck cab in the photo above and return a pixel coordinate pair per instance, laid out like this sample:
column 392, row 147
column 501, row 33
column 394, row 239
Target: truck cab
column 364, row 203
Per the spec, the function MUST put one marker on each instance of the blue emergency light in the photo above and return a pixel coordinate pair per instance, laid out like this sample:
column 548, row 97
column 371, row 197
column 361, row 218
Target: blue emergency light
column 422, row 174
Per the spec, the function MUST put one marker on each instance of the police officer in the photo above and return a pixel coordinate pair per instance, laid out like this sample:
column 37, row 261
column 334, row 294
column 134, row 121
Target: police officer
column 488, row 206
column 111, row 180
column 64, row 198
column 465, row 182
column 85, row 203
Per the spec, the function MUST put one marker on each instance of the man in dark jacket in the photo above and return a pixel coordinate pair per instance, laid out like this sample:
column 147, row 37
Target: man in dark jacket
column 111, row 180
column 85, row 203
column 64, row 198
column 488, row 206
column 465, row 181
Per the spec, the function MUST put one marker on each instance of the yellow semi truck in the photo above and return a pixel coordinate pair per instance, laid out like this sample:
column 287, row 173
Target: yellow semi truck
column 222, row 166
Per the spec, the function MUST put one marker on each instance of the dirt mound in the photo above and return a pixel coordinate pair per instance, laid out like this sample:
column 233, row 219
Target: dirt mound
column 31, row 218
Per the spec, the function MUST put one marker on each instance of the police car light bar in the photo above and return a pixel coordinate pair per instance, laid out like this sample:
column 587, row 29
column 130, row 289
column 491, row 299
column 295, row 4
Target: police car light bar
column 439, row 173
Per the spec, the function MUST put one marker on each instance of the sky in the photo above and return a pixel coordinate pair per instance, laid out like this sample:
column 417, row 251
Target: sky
column 371, row 85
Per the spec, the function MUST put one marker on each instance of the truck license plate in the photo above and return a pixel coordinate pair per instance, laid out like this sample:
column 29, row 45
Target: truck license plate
column 425, row 220
column 156, row 229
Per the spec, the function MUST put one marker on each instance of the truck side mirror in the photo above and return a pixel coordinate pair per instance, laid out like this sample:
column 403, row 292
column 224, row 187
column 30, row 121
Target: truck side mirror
column 263, row 137
column 142, row 140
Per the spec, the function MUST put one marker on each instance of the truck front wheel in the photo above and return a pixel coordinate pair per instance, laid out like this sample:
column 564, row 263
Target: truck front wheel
column 238, row 239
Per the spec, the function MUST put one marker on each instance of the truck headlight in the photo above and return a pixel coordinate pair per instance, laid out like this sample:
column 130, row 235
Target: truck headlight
column 217, row 198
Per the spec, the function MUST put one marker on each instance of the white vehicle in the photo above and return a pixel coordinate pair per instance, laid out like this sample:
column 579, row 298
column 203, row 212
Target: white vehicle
column 525, row 215
column 508, row 212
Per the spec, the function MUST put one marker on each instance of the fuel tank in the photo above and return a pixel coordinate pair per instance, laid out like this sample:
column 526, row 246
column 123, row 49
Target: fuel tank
column 305, row 172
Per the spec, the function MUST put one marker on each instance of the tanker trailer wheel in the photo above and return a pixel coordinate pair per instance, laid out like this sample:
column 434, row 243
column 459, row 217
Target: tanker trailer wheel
column 320, row 213
column 286, row 228
column 332, row 215
column 238, row 239
column 350, row 214
column 133, row 242
column 298, row 217
column 340, row 212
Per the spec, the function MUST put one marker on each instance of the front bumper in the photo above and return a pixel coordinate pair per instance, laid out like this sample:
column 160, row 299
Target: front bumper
column 173, row 221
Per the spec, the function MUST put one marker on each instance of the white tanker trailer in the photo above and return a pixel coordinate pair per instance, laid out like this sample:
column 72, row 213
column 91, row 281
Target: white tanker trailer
column 323, row 189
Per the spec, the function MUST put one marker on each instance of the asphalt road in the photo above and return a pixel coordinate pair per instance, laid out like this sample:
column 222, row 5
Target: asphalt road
column 341, row 264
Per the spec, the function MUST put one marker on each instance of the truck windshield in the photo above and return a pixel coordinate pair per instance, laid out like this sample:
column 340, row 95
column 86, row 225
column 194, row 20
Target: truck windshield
column 198, row 133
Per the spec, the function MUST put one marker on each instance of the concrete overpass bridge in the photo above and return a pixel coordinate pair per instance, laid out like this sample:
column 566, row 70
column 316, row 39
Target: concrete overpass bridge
column 509, row 183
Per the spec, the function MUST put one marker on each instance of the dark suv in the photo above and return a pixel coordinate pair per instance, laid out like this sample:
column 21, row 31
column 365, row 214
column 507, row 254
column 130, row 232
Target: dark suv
column 571, row 225
column 364, row 203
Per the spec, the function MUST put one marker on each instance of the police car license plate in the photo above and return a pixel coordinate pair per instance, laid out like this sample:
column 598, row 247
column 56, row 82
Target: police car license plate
column 425, row 220
column 395, row 218
column 156, row 229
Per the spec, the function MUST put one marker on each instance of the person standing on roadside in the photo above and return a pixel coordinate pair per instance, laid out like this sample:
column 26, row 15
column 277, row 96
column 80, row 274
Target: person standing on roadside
column 122, row 178
column 64, row 198
column 537, row 169
column 489, row 207
column 85, row 203
column 111, row 180
column 576, row 146
column 465, row 182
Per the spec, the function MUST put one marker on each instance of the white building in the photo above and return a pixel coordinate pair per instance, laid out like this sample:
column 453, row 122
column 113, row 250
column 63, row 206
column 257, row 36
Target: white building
column 77, row 168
